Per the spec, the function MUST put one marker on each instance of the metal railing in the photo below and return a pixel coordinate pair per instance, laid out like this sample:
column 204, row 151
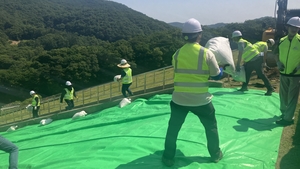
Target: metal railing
column 143, row 83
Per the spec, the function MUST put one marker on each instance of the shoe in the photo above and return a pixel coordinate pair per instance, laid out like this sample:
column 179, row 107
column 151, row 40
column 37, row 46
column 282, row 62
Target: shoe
column 283, row 122
column 167, row 162
column 218, row 158
column 242, row 90
column 269, row 93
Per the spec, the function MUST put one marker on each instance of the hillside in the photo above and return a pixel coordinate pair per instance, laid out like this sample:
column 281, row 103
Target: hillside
column 106, row 20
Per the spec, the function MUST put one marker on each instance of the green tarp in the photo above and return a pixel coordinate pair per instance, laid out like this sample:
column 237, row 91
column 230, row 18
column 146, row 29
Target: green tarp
column 132, row 137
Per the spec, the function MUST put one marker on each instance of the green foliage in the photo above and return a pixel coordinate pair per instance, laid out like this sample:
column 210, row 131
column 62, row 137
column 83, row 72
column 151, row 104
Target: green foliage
column 83, row 41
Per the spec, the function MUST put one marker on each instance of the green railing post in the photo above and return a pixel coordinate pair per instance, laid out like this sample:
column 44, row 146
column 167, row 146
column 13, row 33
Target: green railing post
column 164, row 78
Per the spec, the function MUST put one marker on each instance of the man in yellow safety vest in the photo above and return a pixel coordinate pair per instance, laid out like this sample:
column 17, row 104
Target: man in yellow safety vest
column 126, row 77
column 68, row 95
column 193, row 65
column 288, row 62
column 35, row 103
column 252, row 61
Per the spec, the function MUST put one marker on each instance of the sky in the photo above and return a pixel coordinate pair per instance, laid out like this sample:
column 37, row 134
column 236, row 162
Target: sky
column 206, row 11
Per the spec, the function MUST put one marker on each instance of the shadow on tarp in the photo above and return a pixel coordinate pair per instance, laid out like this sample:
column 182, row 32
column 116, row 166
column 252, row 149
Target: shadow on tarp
column 153, row 161
column 256, row 124
column 234, row 93
column 93, row 126
column 291, row 159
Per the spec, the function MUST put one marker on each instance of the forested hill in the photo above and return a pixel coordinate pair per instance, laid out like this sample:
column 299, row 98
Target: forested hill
column 106, row 20
column 44, row 43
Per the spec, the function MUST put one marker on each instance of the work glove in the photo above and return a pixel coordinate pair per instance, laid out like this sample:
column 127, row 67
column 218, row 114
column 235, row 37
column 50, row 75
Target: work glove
column 35, row 107
column 280, row 66
column 295, row 70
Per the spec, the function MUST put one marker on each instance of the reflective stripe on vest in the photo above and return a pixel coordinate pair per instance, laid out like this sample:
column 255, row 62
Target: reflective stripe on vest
column 33, row 103
column 289, row 54
column 69, row 94
column 128, row 78
column 260, row 46
column 249, row 51
column 191, row 72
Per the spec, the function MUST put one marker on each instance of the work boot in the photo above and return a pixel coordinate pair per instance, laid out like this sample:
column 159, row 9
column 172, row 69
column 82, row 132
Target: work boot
column 167, row 162
column 283, row 122
column 217, row 158
column 269, row 93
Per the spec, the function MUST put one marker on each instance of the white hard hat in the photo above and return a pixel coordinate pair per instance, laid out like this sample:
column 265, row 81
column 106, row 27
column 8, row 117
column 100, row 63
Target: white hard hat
column 31, row 92
column 236, row 34
column 271, row 41
column 294, row 21
column 191, row 26
column 68, row 83
column 123, row 62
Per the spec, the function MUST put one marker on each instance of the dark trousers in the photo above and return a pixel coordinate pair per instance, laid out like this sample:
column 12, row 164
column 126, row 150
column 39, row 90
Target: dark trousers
column 206, row 115
column 257, row 66
column 13, row 151
column 125, row 88
column 35, row 113
column 70, row 104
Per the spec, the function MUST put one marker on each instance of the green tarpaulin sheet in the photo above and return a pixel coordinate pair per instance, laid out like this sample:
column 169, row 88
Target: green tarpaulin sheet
column 132, row 137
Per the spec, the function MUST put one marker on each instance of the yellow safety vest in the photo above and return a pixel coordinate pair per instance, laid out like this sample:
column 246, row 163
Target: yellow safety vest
column 128, row 78
column 69, row 94
column 289, row 54
column 260, row 46
column 191, row 71
column 33, row 103
column 249, row 51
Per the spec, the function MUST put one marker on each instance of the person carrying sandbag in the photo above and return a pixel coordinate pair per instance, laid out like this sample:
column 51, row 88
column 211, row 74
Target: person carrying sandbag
column 252, row 61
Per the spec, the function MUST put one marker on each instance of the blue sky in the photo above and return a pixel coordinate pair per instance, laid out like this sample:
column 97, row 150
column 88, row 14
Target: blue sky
column 206, row 11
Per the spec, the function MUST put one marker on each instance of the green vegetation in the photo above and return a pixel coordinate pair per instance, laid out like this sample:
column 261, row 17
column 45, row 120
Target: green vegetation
column 44, row 43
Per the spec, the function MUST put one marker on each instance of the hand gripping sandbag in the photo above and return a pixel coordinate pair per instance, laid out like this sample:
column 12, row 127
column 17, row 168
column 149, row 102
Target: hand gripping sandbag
column 240, row 76
column 124, row 102
column 117, row 77
column 29, row 108
column 220, row 47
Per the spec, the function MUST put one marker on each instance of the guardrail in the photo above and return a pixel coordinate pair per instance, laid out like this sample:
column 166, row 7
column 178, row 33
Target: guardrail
column 143, row 83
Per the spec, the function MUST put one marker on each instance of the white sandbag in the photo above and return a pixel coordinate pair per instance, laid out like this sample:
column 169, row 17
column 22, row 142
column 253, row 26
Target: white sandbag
column 117, row 77
column 124, row 102
column 220, row 47
column 45, row 121
column 240, row 76
column 29, row 107
column 12, row 128
column 79, row 114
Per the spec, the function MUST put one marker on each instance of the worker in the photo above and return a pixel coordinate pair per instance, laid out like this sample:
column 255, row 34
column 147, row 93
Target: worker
column 12, row 149
column 193, row 65
column 288, row 62
column 263, row 48
column 126, row 77
column 35, row 103
column 252, row 61
column 68, row 94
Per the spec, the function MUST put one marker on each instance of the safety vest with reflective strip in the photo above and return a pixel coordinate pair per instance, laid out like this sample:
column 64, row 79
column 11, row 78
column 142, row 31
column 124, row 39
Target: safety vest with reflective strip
column 69, row 94
column 191, row 71
column 128, row 78
column 33, row 103
column 260, row 46
column 249, row 51
column 289, row 54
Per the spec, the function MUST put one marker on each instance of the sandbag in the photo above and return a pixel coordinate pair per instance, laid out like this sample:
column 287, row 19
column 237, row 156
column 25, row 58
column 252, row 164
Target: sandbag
column 240, row 76
column 220, row 47
column 29, row 108
column 117, row 77
column 12, row 128
column 79, row 114
column 124, row 102
column 45, row 121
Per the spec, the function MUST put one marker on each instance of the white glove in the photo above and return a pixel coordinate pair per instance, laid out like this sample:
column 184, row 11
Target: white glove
column 35, row 107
